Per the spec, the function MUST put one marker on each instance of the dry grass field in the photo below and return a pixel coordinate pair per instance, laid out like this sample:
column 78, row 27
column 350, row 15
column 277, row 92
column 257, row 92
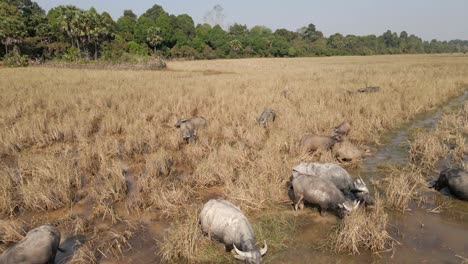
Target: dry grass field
column 96, row 151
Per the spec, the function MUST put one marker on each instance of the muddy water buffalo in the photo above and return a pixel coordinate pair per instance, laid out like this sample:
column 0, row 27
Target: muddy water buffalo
column 353, row 189
column 226, row 223
column 346, row 151
column 456, row 180
column 189, row 127
column 266, row 117
column 312, row 143
column 38, row 247
column 320, row 192
column 343, row 128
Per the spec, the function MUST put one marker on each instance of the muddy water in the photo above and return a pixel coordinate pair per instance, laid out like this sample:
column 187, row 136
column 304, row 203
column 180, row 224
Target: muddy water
column 425, row 235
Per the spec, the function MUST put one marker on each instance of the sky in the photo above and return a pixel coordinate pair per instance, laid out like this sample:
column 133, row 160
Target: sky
column 428, row 19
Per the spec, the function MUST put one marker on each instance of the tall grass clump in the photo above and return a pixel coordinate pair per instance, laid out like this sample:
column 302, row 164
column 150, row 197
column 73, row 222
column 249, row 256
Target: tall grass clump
column 182, row 241
column 362, row 230
column 402, row 185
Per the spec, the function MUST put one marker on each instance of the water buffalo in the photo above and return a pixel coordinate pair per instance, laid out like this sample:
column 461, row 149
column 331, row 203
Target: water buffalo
column 320, row 192
column 371, row 89
column 353, row 189
column 312, row 143
column 346, row 151
column 189, row 127
column 226, row 223
column 267, row 116
column 38, row 247
column 456, row 180
column 343, row 128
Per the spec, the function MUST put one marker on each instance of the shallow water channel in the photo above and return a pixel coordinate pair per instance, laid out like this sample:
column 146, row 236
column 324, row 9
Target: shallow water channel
column 424, row 236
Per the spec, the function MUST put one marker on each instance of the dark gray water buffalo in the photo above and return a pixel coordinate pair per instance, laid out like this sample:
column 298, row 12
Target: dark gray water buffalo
column 266, row 117
column 225, row 222
column 320, row 192
column 188, row 127
column 343, row 128
column 38, row 247
column 353, row 189
column 312, row 143
column 346, row 151
column 456, row 180
column 371, row 89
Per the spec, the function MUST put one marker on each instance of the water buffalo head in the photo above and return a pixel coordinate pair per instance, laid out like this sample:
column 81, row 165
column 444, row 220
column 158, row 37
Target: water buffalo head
column 347, row 207
column 251, row 257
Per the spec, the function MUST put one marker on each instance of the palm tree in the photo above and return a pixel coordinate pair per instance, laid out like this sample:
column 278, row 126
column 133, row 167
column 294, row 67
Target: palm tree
column 154, row 37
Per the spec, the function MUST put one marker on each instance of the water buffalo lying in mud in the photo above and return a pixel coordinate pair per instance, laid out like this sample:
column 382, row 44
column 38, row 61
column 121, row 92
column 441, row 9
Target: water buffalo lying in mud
column 189, row 127
column 372, row 89
column 343, row 128
column 226, row 223
column 267, row 116
column 320, row 192
column 456, row 180
column 39, row 247
column 346, row 152
column 312, row 143
column 353, row 189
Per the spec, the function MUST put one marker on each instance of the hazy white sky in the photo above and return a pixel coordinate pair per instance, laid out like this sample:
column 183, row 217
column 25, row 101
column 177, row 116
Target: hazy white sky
column 429, row 19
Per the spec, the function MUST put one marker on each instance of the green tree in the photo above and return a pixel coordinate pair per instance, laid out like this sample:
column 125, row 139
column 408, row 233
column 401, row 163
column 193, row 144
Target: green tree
column 217, row 39
column 184, row 30
column 142, row 26
column 154, row 37
column 32, row 15
column 238, row 30
column 310, row 33
column 12, row 28
column 126, row 25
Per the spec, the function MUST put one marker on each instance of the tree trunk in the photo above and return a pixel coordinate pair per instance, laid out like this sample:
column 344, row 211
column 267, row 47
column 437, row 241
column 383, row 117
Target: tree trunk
column 78, row 45
column 95, row 51
column 6, row 49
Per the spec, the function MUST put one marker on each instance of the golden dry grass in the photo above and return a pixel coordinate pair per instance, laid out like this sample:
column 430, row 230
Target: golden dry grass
column 362, row 230
column 447, row 143
column 430, row 150
column 402, row 185
column 107, row 138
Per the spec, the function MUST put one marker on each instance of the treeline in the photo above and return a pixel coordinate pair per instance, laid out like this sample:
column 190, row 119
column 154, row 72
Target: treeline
column 70, row 33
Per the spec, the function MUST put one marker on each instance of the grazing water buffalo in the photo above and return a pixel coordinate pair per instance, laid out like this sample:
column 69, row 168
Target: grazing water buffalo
column 343, row 128
column 372, row 89
column 321, row 192
column 189, row 127
column 225, row 222
column 312, row 143
column 456, row 180
column 38, row 247
column 267, row 116
column 346, row 151
column 353, row 189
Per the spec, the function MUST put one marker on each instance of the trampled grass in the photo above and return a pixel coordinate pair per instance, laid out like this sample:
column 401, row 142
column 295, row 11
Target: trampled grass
column 106, row 138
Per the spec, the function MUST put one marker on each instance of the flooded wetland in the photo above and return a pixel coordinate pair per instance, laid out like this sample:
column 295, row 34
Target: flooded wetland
column 96, row 154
